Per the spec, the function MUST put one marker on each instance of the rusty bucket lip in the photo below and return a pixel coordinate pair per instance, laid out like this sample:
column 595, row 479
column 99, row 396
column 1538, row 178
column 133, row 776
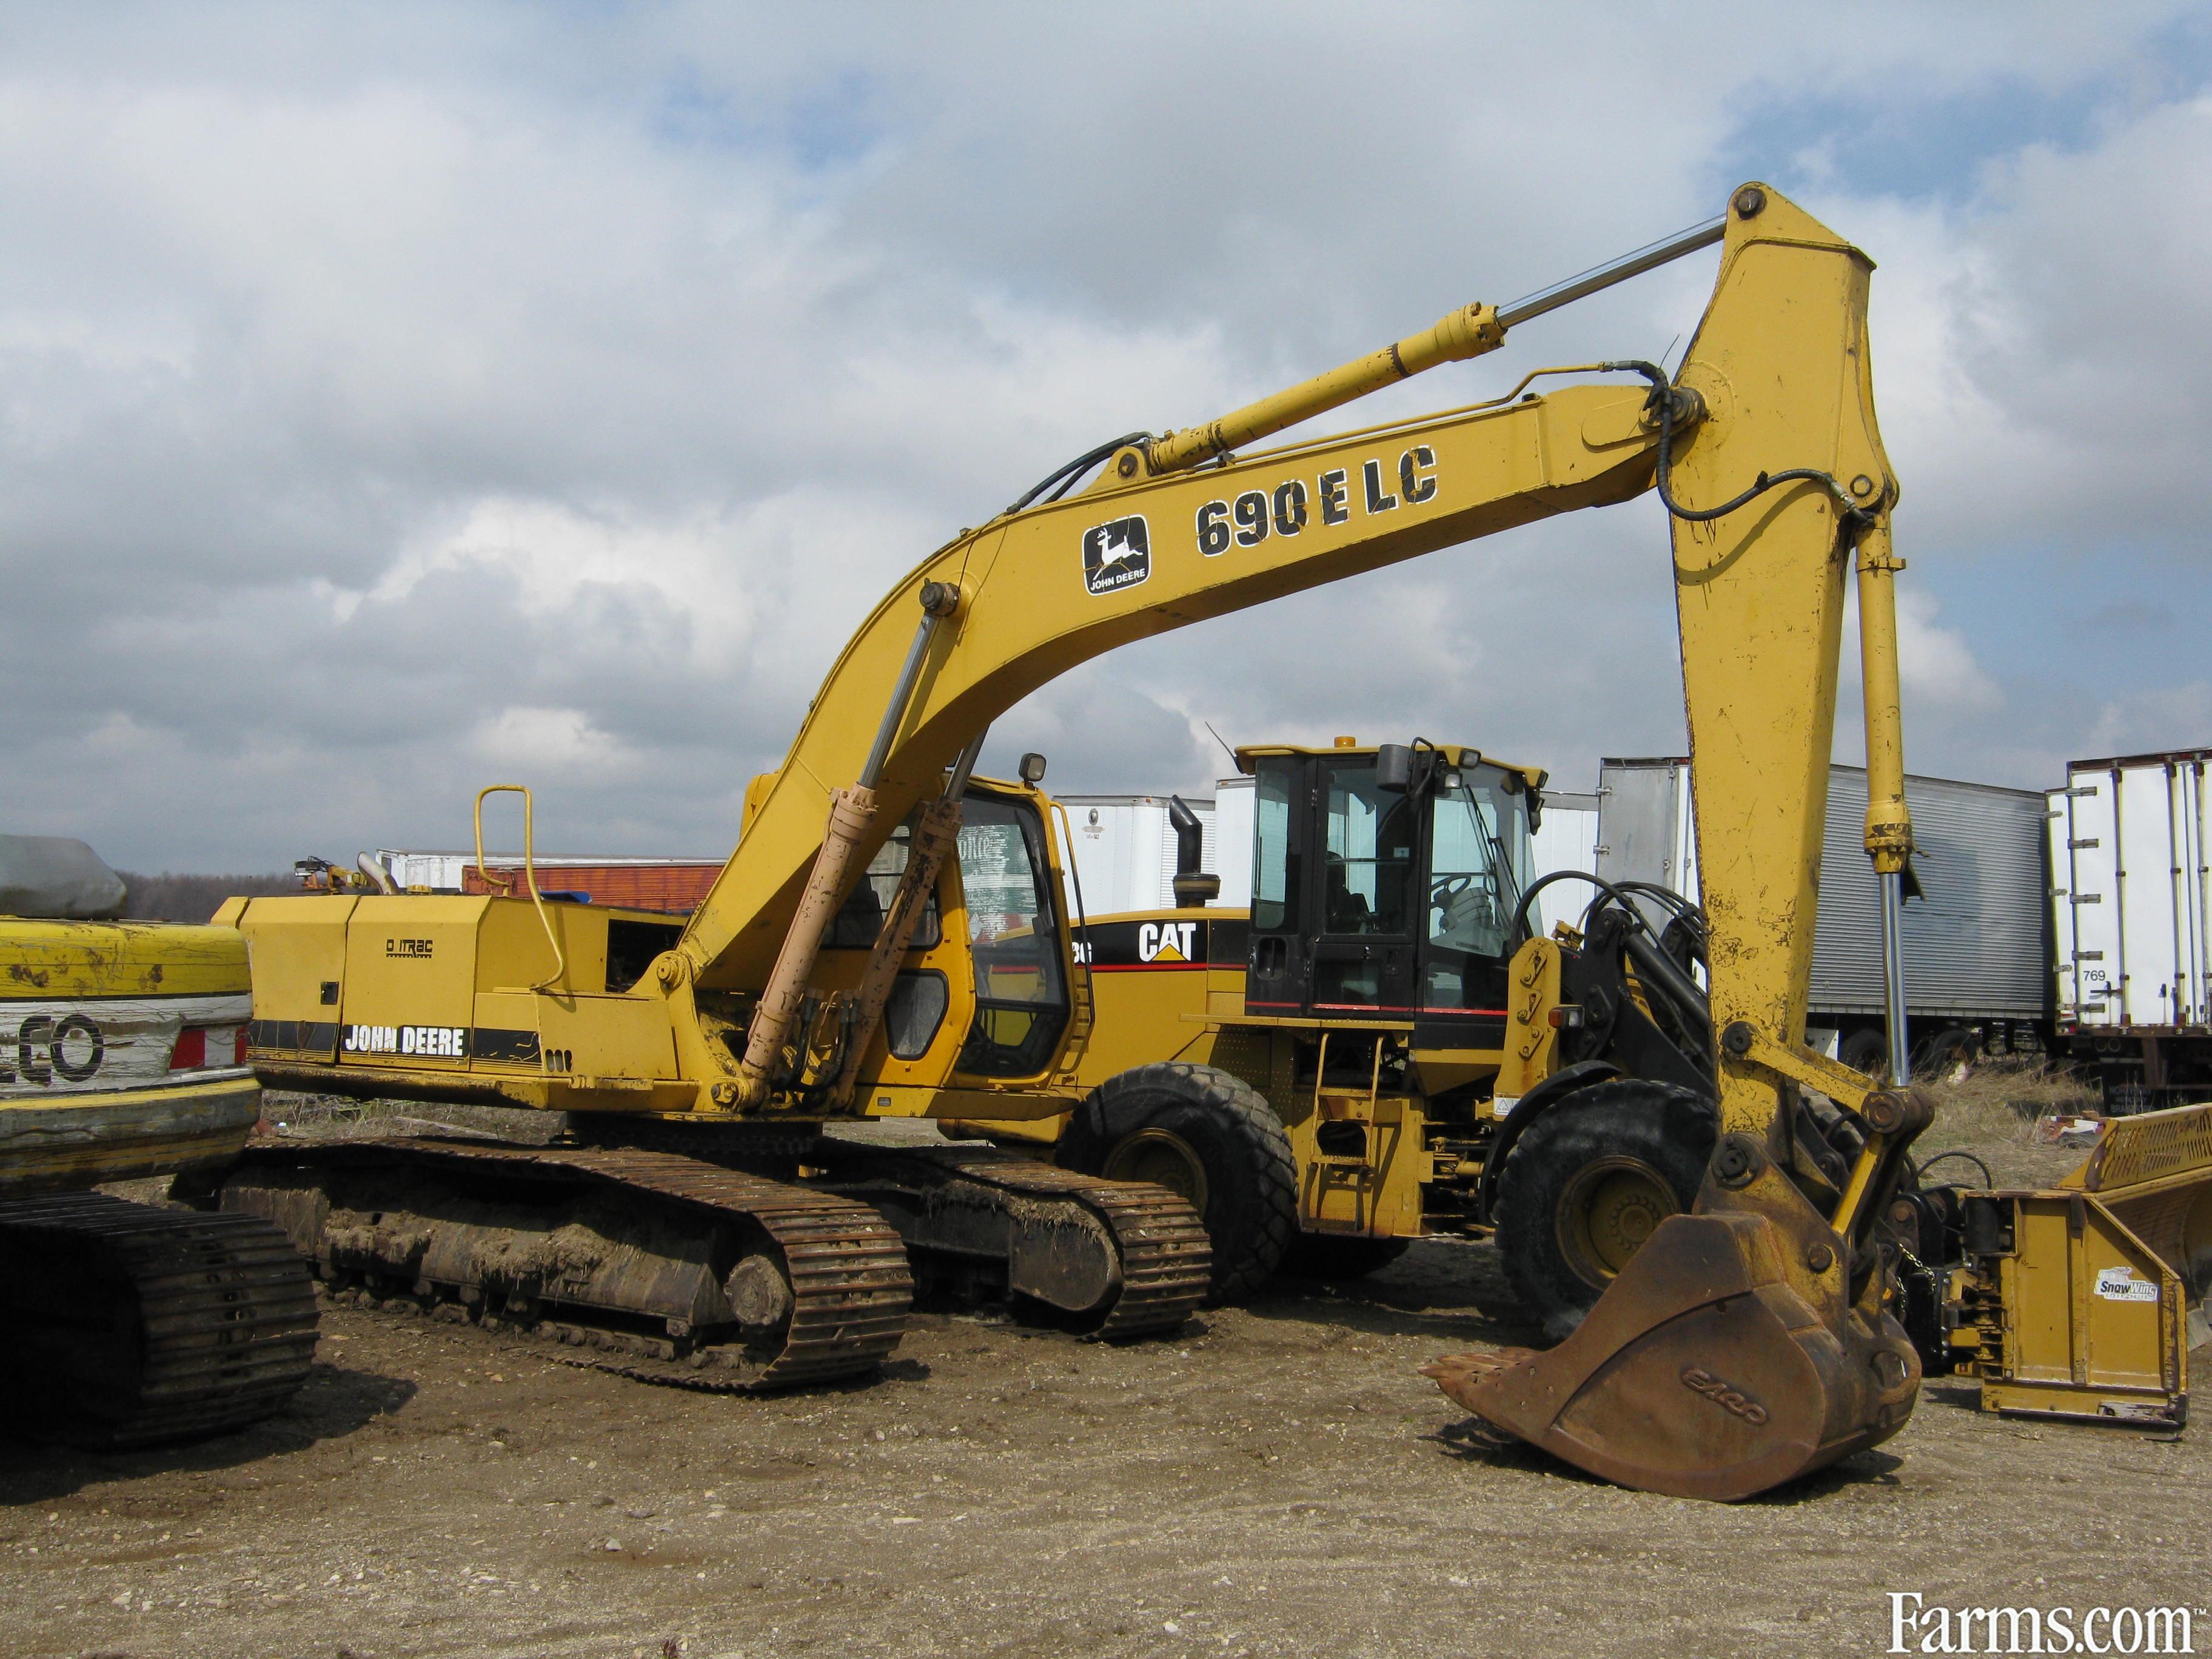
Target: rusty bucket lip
column 1816, row 1397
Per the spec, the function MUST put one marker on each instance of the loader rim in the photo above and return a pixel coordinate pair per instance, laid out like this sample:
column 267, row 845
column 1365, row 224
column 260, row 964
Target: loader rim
column 1250, row 1209
column 1666, row 1129
column 1611, row 1207
column 1164, row 1158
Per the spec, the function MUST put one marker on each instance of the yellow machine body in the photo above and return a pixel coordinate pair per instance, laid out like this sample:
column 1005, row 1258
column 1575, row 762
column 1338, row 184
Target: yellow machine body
column 1170, row 984
column 436, row 997
column 122, row 1056
column 91, row 1014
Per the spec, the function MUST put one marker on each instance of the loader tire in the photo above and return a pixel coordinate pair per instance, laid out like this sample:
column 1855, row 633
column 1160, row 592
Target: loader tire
column 1587, row 1183
column 1211, row 1137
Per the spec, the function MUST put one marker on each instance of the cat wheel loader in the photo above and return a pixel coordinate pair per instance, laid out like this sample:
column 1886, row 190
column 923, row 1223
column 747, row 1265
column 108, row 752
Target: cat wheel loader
column 122, row 1056
column 1383, row 1003
column 891, row 936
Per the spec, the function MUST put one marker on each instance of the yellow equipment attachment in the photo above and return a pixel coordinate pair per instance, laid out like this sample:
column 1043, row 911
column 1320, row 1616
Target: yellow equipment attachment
column 2081, row 1301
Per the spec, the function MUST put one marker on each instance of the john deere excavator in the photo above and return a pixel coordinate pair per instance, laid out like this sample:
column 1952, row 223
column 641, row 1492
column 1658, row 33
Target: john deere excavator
column 122, row 1056
column 846, row 963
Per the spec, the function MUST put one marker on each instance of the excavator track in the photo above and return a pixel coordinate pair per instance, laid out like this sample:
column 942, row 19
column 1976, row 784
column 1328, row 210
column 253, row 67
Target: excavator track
column 130, row 1324
column 641, row 1262
column 1122, row 1258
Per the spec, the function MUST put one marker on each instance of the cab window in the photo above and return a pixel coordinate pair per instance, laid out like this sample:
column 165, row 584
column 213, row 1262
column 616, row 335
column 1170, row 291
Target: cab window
column 1273, row 791
column 1367, row 855
column 1021, row 993
column 1479, row 856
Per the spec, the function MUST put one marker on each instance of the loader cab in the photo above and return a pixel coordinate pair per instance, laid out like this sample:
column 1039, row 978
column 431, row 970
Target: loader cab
column 1384, row 882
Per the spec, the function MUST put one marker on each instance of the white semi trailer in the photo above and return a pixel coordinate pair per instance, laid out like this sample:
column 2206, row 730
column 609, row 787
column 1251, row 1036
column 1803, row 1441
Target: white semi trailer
column 1977, row 949
column 2130, row 893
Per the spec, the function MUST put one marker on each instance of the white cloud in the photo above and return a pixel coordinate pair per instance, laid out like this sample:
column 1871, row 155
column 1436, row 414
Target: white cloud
column 389, row 396
column 561, row 742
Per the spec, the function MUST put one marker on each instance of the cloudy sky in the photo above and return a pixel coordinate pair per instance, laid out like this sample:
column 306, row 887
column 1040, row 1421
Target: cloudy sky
column 394, row 400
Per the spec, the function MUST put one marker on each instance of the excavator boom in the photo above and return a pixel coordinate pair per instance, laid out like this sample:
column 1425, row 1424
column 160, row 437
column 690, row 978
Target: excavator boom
column 1752, row 1340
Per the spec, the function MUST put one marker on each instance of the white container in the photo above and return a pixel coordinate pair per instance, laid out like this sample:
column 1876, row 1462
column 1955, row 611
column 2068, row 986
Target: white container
column 2130, row 893
column 1975, row 946
column 1125, row 850
column 1565, row 839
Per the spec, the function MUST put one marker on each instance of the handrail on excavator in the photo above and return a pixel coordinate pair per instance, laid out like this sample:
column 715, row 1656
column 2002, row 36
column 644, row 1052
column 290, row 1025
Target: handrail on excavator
column 529, row 873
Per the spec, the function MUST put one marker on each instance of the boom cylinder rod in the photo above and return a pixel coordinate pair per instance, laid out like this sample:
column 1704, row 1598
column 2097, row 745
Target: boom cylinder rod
column 1467, row 332
column 1893, row 976
column 895, row 712
column 851, row 814
column 1665, row 251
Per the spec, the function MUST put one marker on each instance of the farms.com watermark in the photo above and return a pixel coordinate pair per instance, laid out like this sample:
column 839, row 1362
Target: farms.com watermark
column 1915, row 1627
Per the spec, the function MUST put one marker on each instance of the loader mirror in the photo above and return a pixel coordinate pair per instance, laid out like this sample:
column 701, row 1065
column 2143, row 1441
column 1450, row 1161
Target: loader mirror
column 1032, row 768
column 1394, row 768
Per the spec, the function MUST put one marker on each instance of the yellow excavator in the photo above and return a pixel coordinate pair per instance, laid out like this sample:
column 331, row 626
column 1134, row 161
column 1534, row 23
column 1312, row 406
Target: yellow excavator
column 122, row 1056
column 891, row 938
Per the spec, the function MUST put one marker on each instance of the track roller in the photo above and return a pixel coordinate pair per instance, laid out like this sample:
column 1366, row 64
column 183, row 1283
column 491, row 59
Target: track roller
column 649, row 1263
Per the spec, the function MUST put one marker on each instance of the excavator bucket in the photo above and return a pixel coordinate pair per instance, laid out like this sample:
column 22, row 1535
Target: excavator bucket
column 1703, row 1371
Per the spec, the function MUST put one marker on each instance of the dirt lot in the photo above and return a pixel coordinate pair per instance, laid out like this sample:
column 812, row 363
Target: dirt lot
column 1276, row 1481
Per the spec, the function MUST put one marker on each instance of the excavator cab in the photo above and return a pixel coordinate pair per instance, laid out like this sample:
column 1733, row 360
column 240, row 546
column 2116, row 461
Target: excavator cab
column 1000, row 886
column 1384, row 885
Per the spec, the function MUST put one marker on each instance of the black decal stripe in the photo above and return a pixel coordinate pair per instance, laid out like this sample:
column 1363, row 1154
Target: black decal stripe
column 1458, row 1031
column 515, row 1048
column 312, row 1039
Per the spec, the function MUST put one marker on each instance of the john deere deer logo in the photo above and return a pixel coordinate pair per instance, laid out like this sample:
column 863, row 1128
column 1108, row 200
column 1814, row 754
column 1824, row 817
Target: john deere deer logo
column 1117, row 556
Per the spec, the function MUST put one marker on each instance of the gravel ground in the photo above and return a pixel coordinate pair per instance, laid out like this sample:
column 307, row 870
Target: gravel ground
column 1275, row 1481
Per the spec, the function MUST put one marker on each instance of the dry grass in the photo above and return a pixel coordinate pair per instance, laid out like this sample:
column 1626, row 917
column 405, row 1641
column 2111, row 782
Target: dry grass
column 1993, row 1111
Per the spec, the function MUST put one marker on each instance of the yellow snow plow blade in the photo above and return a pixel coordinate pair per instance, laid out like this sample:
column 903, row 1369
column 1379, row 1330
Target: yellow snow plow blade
column 2083, row 1301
